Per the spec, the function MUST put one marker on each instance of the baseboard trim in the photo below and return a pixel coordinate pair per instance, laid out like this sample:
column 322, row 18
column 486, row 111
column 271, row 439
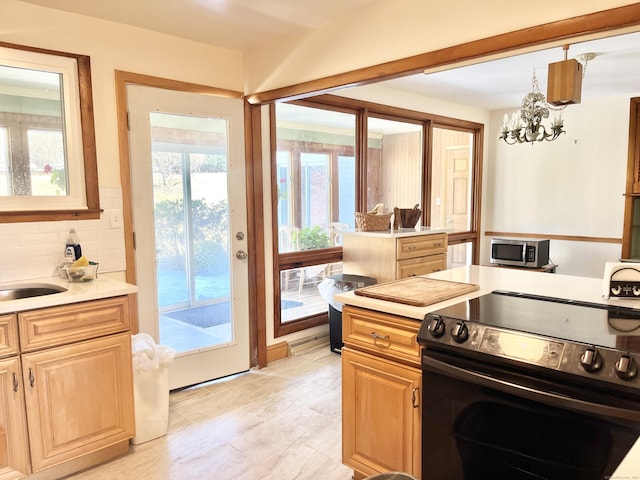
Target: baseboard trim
column 277, row 351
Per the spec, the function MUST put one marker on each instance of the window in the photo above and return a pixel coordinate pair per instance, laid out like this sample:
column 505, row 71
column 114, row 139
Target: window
column 452, row 178
column 314, row 181
column 47, row 145
column 321, row 178
column 394, row 163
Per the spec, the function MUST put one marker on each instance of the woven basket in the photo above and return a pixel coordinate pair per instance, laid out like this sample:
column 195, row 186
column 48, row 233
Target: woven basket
column 368, row 222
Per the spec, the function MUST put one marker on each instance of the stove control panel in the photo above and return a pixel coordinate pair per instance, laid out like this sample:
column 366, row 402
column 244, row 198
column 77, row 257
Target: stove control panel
column 601, row 363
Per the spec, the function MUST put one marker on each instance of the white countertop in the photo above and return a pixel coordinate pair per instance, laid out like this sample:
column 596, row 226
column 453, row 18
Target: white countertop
column 493, row 278
column 399, row 232
column 101, row 287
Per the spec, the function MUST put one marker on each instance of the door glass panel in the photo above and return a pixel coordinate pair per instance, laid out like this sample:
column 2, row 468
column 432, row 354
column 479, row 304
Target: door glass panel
column 191, row 226
column 394, row 163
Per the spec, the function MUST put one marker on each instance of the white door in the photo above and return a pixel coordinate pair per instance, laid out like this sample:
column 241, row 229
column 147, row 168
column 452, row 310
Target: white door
column 188, row 193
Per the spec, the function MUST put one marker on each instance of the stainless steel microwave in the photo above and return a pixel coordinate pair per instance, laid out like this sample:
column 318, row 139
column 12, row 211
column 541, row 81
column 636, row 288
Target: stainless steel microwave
column 520, row 252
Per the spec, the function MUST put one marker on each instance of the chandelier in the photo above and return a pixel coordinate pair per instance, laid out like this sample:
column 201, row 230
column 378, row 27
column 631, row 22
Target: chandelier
column 526, row 124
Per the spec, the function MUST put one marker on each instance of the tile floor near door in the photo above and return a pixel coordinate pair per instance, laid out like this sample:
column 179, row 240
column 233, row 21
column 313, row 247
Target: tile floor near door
column 282, row 422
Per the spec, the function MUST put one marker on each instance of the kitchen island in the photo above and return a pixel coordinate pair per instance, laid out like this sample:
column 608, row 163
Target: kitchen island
column 488, row 279
column 395, row 254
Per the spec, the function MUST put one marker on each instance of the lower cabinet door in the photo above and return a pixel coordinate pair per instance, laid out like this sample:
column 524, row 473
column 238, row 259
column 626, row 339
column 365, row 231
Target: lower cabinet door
column 14, row 457
column 79, row 398
column 381, row 415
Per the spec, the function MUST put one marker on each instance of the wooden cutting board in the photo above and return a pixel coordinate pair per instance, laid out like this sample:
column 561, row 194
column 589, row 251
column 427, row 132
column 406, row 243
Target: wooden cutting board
column 416, row 291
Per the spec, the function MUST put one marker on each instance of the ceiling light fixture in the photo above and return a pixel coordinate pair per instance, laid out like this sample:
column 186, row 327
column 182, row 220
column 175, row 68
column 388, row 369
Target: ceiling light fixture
column 526, row 124
column 564, row 81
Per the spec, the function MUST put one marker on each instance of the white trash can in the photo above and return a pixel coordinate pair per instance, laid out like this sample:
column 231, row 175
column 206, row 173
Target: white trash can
column 150, row 387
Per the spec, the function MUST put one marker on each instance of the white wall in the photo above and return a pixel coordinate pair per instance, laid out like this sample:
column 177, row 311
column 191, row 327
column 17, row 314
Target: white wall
column 571, row 186
column 32, row 250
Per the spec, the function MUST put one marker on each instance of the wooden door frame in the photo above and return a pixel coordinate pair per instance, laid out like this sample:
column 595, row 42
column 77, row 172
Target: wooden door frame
column 633, row 175
column 255, row 245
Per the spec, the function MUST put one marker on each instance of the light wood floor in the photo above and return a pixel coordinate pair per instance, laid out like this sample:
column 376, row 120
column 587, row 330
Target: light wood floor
column 282, row 422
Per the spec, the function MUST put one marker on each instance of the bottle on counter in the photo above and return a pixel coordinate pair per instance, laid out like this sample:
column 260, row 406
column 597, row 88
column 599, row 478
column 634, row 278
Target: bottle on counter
column 72, row 250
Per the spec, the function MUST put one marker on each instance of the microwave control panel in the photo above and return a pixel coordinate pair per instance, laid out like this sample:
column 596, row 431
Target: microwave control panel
column 531, row 254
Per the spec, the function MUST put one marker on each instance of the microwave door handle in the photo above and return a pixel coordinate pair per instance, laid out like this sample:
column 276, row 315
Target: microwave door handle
column 524, row 253
column 549, row 398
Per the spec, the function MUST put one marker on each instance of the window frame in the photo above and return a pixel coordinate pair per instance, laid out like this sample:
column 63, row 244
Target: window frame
column 363, row 110
column 305, row 258
column 89, row 181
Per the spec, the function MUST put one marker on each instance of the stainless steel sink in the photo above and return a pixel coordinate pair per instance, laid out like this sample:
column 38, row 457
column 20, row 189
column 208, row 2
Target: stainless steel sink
column 16, row 292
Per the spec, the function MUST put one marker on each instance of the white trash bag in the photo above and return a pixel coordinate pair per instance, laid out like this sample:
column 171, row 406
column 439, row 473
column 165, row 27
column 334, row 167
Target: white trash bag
column 150, row 387
column 148, row 355
column 328, row 288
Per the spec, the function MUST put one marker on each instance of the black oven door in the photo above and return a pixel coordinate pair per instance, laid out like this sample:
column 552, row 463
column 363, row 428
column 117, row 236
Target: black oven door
column 484, row 422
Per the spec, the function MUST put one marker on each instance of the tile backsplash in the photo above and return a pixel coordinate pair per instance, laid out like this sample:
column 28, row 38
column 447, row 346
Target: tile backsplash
column 35, row 249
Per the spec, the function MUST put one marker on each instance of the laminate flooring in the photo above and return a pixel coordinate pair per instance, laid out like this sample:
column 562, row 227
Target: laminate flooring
column 282, row 422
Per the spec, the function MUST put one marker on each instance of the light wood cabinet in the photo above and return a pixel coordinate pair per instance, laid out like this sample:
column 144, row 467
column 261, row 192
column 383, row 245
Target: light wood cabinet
column 381, row 393
column 67, row 399
column 393, row 256
column 14, row 455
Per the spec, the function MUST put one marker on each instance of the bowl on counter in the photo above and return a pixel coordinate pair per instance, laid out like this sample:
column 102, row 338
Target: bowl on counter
column 85, row 273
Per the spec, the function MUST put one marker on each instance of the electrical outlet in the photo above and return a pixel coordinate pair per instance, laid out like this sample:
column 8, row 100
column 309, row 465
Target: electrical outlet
column 115, row 219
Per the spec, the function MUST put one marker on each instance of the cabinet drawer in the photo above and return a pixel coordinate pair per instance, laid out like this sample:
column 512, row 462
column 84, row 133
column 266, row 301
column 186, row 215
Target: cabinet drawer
column 71, row 323
column 420, row 266
column 8, row 335
column 419, row 246
column 386, row 335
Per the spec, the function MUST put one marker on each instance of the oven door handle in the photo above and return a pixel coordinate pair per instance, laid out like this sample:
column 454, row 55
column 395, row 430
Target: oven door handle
column 549, row 398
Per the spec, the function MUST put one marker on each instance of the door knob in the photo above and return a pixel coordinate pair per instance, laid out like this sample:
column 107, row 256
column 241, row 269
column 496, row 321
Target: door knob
column 242, row 255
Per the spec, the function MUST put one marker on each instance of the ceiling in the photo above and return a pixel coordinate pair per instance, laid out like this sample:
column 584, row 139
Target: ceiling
column 234, row 24
column 502, row 83
column 245, row 24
